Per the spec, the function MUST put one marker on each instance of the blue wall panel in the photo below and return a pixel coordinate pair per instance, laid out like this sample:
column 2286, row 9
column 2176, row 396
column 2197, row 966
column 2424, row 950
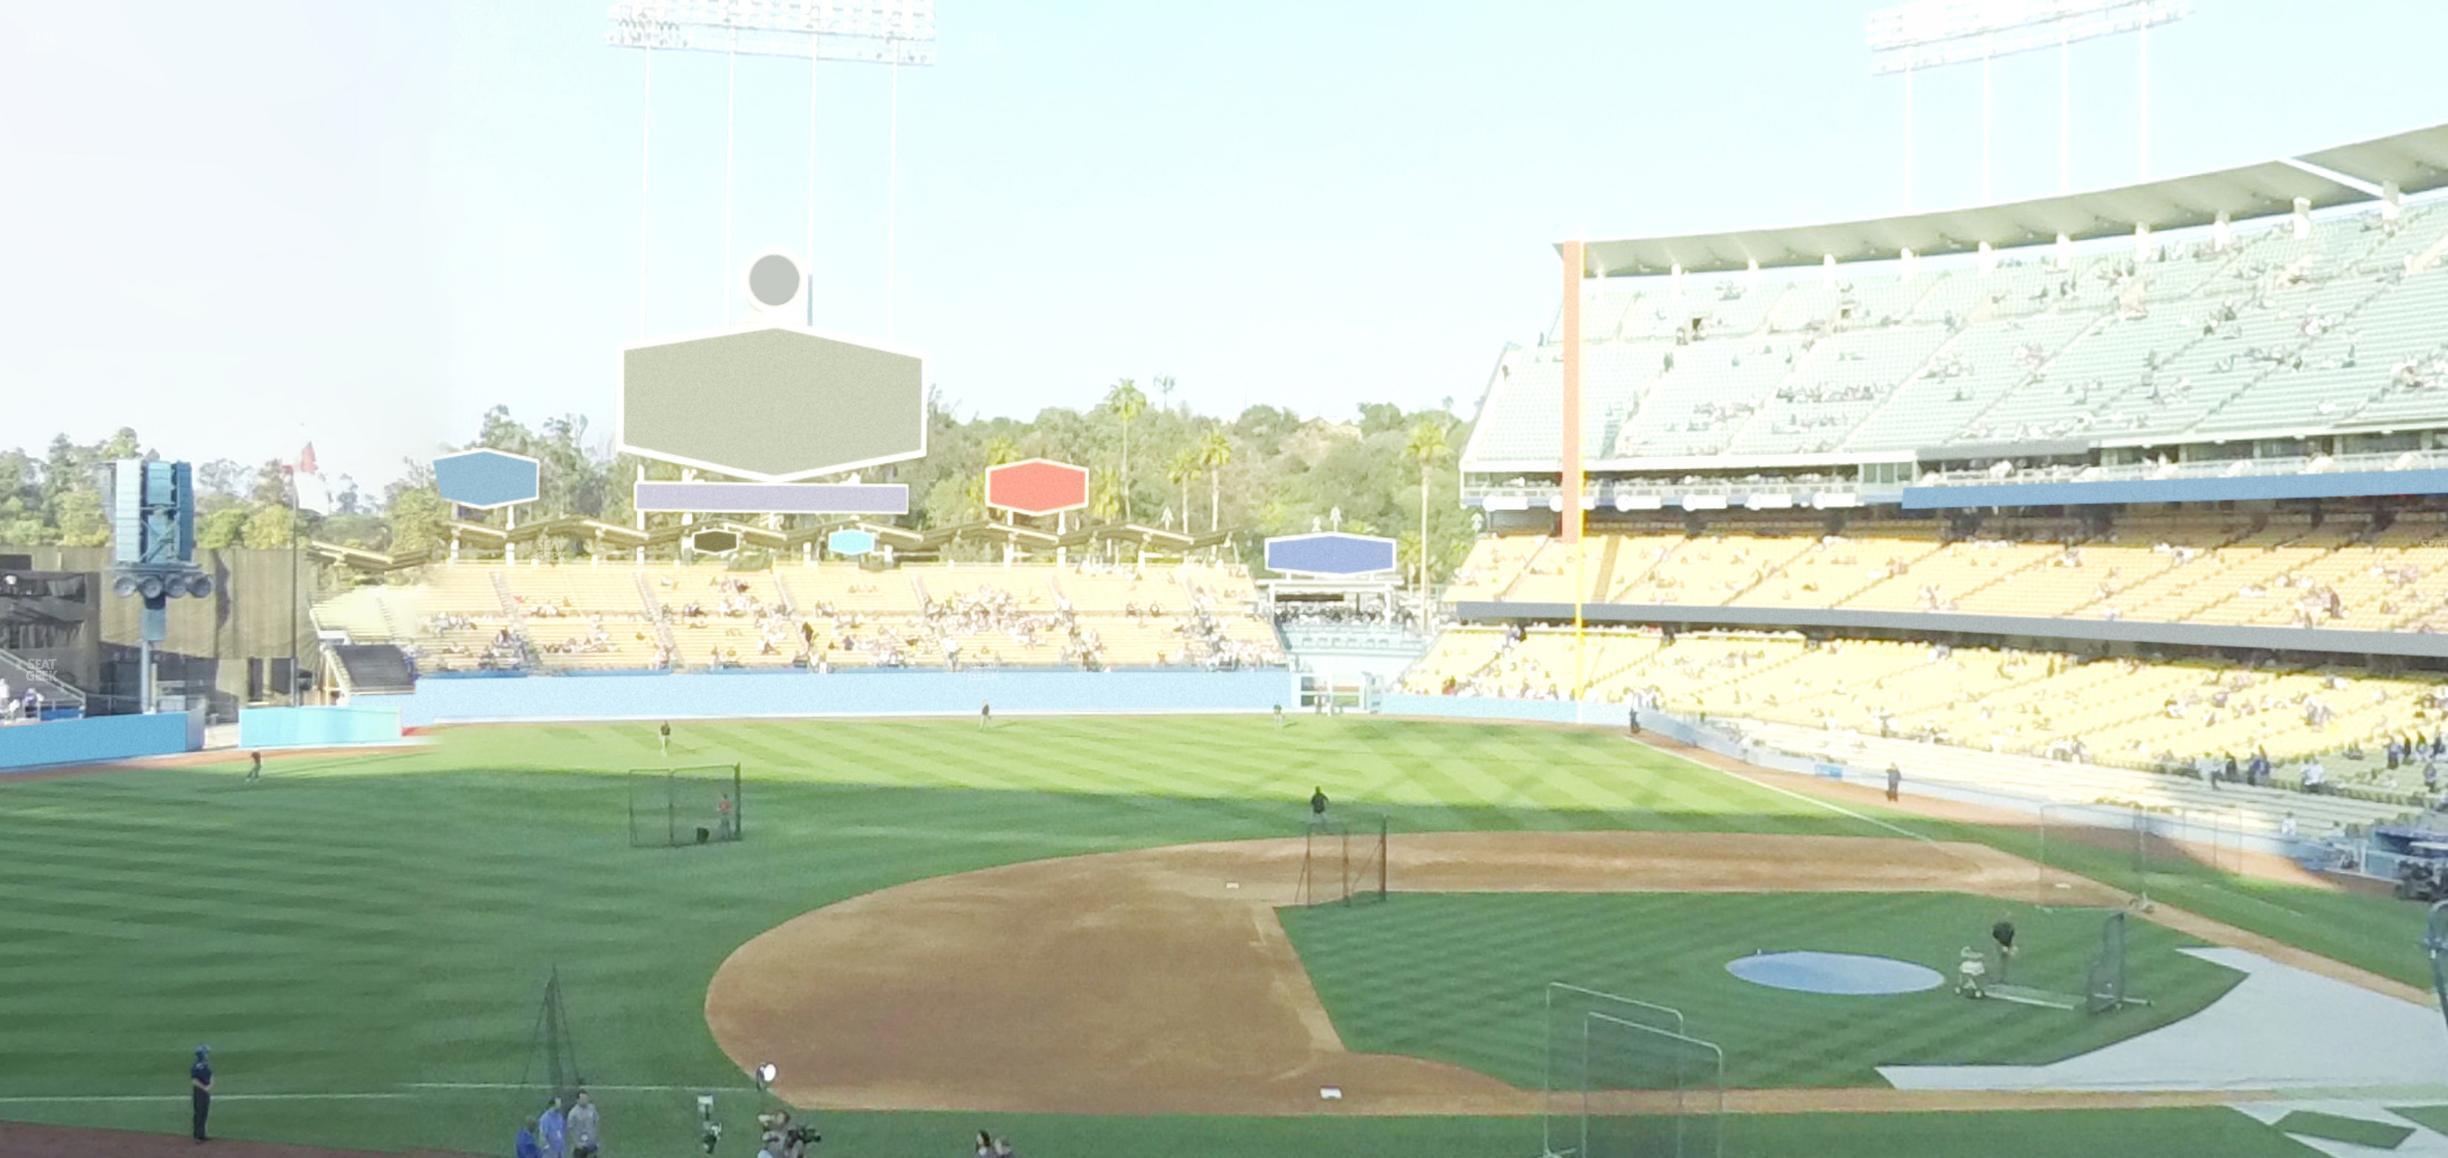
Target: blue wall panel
column 442, row 699
column 2344, row 485
column 317, row 727
column 90, row 740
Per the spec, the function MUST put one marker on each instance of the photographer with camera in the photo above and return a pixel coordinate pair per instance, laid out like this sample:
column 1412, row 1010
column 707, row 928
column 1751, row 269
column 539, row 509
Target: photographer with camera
column 785, row 1138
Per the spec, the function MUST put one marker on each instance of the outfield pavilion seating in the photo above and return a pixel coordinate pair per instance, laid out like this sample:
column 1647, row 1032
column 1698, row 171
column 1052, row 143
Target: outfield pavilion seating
column 366, row 614
column 629, row 617
column 2272, row 335
column 585, row 617
column 462, row 621
column 2128, row 713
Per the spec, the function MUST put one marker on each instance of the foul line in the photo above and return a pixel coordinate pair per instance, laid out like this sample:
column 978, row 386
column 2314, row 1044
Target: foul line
column 1830, row 805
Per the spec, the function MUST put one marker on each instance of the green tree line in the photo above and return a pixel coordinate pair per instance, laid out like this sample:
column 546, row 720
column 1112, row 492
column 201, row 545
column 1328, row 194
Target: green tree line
column 1265, row 471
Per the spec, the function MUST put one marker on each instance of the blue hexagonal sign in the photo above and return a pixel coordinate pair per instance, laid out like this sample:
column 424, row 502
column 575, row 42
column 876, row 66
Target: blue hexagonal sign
column 1330, row 553
column 488, row 480
column 849, row 543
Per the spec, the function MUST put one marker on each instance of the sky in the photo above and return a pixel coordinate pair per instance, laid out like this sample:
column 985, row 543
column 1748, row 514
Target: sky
column 240, row 227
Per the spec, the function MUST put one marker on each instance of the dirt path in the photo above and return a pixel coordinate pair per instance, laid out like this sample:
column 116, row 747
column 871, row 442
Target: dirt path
column 26, row 1140
column 1159, row 981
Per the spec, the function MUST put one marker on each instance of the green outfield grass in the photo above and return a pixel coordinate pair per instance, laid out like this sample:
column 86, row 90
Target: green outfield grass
column 366, row 926
column 1459, row 978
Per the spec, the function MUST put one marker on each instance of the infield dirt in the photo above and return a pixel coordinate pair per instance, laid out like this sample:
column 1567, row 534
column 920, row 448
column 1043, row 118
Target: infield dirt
column 1159, row 981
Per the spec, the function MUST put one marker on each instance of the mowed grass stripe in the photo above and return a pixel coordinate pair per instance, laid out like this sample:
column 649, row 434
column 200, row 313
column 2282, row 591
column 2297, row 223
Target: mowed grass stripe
column 1460, row 977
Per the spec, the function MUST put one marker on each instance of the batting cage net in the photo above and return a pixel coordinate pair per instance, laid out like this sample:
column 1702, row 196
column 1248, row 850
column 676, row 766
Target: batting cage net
column 1649, row 1092
column 1343, row 862
column 2103, row 987
column 1566, row 1081
column 695, row 804
column 2106, row 988
column 2435, row 942
column 2132, row 848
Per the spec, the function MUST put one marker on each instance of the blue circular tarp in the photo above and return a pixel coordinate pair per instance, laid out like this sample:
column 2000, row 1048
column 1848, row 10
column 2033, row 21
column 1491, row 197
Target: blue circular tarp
column 1847, row 974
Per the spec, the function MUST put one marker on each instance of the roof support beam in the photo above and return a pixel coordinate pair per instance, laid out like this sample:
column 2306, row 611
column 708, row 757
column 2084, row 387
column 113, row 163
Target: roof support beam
column 2357, row 184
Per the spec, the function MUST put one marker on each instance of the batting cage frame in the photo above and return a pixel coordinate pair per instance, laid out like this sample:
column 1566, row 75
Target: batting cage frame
column 551, row 1043
column 1563, row 1081
column 687, row 805
column 2158, row 846
column 2435, row 942
column 1649, row 1092
column 2104, row 986
column 1340, row 865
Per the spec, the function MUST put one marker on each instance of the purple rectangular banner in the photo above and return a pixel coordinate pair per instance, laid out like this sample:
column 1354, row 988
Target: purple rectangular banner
column 735, row 498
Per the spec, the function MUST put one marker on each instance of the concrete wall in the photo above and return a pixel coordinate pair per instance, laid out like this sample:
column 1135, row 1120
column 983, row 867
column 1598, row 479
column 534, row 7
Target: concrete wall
column 317, row 727
column 98, row 739
column 794, row 694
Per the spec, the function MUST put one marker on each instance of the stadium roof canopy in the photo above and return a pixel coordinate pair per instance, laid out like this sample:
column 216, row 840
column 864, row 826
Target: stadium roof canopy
column 2409, row 162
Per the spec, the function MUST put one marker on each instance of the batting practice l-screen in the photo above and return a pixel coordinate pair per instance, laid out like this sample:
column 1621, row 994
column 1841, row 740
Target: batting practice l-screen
column 695, row 804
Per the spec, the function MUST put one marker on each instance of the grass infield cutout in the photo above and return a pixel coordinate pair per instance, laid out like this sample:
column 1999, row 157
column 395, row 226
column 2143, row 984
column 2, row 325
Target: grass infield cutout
column 2432, row 1117
column 2359, row 1131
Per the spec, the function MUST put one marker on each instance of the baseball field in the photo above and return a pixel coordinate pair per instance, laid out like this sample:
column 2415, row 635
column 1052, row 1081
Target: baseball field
column 1077, row 932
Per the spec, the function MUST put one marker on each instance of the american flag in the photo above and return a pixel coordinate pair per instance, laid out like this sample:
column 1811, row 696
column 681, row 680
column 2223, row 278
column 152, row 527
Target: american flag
column 307, row 477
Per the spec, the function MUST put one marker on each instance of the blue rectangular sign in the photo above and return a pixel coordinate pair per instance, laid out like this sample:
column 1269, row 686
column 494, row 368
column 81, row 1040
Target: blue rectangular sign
column 1329, row 553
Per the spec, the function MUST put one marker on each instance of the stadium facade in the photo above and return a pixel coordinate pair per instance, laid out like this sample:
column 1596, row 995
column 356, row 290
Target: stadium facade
column 2148, row 476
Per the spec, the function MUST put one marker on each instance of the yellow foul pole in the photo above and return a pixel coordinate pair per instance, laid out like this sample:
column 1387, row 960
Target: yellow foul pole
column 1570, row 506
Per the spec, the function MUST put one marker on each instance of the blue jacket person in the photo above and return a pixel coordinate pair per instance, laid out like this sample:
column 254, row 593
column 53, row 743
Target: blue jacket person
column 199, row 1081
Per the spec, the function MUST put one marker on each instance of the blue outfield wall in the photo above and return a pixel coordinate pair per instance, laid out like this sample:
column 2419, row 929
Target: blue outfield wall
column 445, row 700
column 317, row 727
column 98, row 738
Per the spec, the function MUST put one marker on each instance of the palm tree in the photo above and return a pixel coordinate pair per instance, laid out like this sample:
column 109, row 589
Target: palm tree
column 1104, row 497
column 1164, row 389
column 1127, row 404
column 1215, row 453
column 1427, row 446
column 1001, row 449
column 1184, row 467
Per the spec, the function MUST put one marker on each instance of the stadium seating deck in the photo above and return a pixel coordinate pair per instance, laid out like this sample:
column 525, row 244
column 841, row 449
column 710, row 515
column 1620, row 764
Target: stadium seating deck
column 2275, row 335
column 2123, row 712
column 2274, row 570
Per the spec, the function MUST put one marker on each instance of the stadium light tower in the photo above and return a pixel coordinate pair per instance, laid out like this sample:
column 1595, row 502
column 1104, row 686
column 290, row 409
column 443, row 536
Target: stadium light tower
column 891, row 33
column 1925, row 34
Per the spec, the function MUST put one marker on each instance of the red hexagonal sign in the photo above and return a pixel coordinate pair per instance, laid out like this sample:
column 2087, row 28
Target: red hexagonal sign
column 1036, row 486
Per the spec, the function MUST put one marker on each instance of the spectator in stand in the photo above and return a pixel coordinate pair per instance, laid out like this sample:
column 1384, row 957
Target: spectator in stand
column 2315, row 778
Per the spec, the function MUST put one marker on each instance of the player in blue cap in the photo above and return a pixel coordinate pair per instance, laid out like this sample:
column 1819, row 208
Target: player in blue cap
column 199, row 1080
